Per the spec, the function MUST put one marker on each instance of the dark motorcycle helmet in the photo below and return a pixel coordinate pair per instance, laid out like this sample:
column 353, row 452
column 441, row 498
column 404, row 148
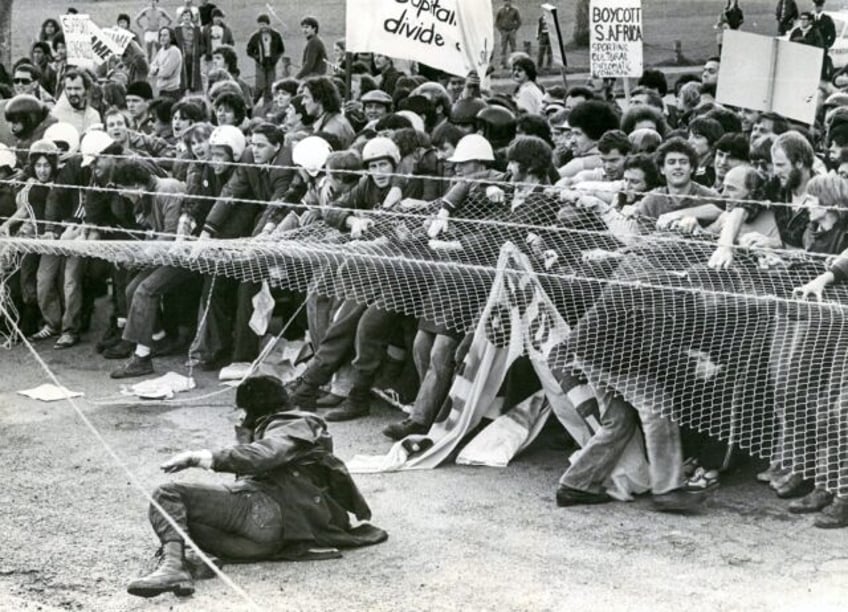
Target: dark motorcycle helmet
column 464, row 111
column 27, row 110
column 497, row 125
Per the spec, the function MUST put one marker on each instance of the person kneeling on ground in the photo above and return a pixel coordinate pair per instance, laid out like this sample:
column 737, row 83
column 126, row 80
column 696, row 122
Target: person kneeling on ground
column 291, row 500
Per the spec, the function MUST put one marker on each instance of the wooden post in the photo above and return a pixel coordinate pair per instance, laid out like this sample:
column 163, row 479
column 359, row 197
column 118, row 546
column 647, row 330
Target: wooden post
column 348, row 66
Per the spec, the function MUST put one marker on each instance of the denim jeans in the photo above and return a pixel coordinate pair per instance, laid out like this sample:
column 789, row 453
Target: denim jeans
column 434, row 360
column 48, row 287
column 599, row 456
column 224, row 521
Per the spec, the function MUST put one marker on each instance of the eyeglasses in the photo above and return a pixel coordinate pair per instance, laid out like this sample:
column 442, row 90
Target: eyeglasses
column 22, row 81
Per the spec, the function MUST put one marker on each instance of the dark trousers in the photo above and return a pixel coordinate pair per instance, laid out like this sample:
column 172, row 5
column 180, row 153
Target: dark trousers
column 265, row 77
column 144, row 295
column 366, row 330
column 233, row 524
column 215, row 333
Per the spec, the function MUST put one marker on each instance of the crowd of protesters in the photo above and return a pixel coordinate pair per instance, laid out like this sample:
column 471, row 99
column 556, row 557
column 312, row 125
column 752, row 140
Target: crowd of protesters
column 168, row 142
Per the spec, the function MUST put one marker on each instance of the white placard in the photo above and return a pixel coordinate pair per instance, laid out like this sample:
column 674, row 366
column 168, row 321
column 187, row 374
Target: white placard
column 615, row 38
column 770, row 75
column 87, row 45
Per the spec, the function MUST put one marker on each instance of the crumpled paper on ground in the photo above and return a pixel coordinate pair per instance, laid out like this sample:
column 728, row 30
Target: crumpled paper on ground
column 49, row 393
column 163, row 387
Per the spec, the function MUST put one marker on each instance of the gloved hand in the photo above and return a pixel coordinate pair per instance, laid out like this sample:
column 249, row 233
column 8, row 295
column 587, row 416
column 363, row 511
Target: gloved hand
column 359, row 226
column 187, row 459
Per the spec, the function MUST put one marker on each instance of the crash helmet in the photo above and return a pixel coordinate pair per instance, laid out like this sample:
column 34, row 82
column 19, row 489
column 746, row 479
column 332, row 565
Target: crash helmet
column 65, row 136
column 380, row 148
column 231, row 137
column 311, row 154
column 472, row 147
column 497, row 125
column 26, row 110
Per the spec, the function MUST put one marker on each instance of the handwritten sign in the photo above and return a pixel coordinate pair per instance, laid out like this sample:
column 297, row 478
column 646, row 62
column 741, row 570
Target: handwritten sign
column 87, row 45
column 453, row 35
column 615, row 44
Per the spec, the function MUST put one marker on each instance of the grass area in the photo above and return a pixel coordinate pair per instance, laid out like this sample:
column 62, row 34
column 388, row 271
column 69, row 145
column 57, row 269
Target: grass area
column 665, row 21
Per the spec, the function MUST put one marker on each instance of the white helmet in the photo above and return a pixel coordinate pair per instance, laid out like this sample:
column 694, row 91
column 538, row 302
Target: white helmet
column 229, row 136
column 380, row 148
column 7, row 157
column 93, row 144
column 472, row 147
column 311, row 154
column 65, row 136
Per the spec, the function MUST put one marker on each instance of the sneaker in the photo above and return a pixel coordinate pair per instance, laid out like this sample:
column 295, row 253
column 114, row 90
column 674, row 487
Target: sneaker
column 771, row 473
column 44, row 333
column 135, row 367
column 406, row 427
column 119, row 350
column 66, row 340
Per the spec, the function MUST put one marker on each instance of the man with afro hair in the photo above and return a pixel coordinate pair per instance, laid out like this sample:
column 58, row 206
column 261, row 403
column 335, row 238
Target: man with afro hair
column 588, row 122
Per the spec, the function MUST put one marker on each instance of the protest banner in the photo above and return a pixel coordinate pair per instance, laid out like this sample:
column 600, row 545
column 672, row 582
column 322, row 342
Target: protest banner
column 549, row 11
column 456, row 36
column 120, row 37
column 770, row 75
column 615, row 42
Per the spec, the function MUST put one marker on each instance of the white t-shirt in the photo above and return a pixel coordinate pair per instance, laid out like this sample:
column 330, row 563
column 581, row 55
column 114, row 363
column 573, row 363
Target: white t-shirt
column 216, row 36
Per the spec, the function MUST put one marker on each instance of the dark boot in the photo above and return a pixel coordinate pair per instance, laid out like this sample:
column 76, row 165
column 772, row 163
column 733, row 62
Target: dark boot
column 813, row 501
column 404, row 428
column 834, row 516
column 307, row 388
column 120, row 350
column 110, row 338
column 356, row 405
column 135, row 367
column 171, row 576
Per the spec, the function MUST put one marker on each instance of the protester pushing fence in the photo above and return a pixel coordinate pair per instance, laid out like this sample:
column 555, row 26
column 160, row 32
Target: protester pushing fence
column 660, row 273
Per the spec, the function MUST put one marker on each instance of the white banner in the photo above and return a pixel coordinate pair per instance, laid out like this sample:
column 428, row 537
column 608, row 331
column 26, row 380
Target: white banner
column 456, row 36
column 615, row 43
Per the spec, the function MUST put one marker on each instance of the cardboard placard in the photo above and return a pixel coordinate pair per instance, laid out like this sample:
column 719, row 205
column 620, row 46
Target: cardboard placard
column 615, row 38
column 770, row 75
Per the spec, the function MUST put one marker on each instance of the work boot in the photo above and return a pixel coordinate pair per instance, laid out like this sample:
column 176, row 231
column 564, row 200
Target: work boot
column 304, row 395
column 356, row 405
column 834, row 516
column 813, row 501
column 171, row 575
column 307, row 389
column 110, row 338
column 404, row 428
column 135, row 367
column 120, row 350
